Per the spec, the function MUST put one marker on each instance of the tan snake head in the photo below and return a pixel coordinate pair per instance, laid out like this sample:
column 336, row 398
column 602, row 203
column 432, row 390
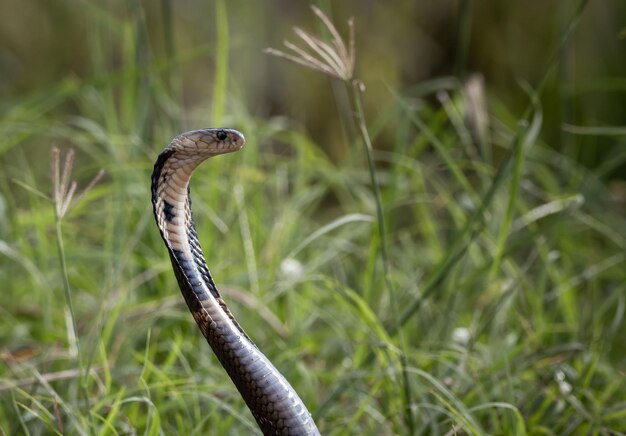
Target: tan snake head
column 202, row 144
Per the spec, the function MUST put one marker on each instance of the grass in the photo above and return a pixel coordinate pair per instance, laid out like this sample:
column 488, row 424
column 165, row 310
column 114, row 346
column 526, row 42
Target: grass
column 497, row 307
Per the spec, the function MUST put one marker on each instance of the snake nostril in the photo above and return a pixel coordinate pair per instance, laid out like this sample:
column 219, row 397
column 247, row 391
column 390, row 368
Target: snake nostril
column 221, row 135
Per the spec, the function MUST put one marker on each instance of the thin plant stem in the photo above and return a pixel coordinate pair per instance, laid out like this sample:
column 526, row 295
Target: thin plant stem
column 71, row 327
column 355, row 89
column 359, row 117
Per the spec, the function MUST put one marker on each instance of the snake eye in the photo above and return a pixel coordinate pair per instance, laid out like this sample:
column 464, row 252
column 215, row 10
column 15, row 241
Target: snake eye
column 221, row 135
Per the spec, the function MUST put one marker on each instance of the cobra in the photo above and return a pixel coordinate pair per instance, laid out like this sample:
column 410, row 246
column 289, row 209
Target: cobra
column 274, row 404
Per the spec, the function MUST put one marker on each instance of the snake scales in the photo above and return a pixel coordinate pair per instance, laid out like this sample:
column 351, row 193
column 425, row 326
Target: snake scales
column 274, row 404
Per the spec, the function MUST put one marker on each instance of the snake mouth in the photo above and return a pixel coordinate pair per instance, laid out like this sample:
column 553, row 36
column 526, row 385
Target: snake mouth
column 236, row 138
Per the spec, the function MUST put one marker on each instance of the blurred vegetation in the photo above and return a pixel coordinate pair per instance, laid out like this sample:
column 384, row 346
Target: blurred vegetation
column 499, row 147
column 400, row 43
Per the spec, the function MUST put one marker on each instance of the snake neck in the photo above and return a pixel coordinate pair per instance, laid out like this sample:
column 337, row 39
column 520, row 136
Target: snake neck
column 172, row 209
column 171, row 202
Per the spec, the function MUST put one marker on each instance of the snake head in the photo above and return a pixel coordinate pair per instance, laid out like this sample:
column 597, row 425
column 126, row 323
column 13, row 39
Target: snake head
column 205, row 143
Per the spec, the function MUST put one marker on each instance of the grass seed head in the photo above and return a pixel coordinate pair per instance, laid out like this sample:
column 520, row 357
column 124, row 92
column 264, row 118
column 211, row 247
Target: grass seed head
column 335, row 58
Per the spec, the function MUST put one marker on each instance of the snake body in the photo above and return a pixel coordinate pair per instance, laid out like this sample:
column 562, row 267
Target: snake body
column 274, row 404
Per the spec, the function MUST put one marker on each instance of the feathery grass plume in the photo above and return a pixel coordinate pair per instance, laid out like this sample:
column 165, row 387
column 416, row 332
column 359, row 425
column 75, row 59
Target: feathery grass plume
column 335, row 59
column 62, row 190
column 477, row 115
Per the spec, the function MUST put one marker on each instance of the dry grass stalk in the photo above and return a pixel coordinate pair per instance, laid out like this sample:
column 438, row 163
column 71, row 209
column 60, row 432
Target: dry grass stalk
column 63, row 190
